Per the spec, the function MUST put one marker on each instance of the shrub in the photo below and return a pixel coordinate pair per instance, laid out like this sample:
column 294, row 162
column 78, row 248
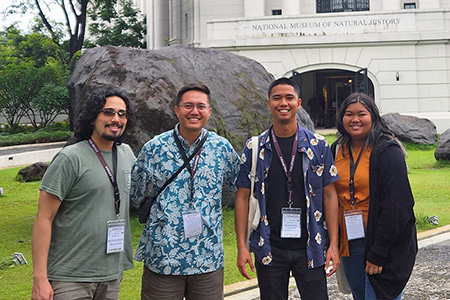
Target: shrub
column 40, row 136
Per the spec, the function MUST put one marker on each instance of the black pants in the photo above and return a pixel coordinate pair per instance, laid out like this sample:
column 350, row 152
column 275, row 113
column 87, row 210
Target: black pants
column 273, row 280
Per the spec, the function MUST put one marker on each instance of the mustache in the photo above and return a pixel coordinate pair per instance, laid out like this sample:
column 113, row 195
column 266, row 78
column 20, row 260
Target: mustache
column 114, row 124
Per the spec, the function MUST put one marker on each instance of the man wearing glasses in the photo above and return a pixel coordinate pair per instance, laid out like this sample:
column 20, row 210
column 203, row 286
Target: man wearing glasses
column 81, row 241
column 181, row 245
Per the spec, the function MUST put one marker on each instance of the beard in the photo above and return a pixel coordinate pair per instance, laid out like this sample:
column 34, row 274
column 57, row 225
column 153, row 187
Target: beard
column 112, row 137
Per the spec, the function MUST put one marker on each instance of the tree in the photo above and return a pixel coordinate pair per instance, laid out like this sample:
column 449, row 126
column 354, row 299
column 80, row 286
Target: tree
column 123, row 27
column 18, row 85
column 50, row 101
column 30, row 71
column 75, row 16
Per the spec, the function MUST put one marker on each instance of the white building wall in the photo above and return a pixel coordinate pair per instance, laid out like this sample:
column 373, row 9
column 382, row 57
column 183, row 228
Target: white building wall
column 253, row 8
column 389, row 41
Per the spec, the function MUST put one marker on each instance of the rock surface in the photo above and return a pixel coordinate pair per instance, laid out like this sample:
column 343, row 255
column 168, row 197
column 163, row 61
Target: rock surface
column 35, row 172
column 152, row 78
column 411, row 129
column 443, row 148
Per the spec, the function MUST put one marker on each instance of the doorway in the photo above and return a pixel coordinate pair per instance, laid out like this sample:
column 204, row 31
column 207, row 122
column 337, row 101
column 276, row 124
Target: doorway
column 331, row 87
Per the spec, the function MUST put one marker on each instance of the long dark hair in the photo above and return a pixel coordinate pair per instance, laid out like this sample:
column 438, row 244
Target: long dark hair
column 91, row 108
column 379, row 127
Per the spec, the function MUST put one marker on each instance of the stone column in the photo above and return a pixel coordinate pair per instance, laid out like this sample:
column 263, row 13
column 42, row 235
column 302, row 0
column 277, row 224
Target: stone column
column 175, row 19
column 159, row 14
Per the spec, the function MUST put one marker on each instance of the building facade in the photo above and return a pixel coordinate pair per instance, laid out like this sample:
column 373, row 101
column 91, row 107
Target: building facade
column 398, row 51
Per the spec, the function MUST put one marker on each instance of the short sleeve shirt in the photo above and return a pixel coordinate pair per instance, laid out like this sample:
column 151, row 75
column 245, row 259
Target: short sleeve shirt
column 163, row 245
column 318, row 171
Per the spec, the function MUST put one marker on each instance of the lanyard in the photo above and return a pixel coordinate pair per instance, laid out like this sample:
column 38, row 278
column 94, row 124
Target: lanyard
column 111, row 175
column 194, row 167
column 353, row 166
column 287, row 172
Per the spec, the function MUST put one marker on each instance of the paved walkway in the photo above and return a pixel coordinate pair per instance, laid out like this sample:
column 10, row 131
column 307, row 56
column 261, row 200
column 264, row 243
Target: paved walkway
column 430, row 279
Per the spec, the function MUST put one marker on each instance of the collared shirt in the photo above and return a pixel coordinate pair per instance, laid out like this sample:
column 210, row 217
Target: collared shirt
column 163, row 246
column 318, row 171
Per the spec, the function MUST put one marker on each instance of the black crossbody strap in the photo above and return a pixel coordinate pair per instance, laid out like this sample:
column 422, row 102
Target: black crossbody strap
column 145, row 206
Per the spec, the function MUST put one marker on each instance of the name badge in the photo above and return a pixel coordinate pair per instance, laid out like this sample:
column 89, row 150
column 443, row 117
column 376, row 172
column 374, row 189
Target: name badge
column 291, row 223
column 354, row 224
column 116, row 236
column 192, row 224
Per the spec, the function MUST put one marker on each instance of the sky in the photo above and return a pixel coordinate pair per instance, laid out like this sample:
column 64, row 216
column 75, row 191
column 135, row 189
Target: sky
column 24, row 21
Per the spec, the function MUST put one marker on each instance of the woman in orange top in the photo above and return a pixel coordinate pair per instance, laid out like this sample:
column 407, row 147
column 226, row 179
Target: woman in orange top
column 378, row 242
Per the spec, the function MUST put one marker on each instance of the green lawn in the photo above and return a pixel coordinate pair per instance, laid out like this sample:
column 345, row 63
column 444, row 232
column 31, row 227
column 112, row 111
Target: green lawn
column 18, row 207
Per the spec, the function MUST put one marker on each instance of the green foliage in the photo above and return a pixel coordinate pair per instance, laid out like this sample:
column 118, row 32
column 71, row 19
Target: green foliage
column 32, row 79
column 108, row 26
column 40, row 136
column 50, row 101
column 423, row 222
column 18, row 84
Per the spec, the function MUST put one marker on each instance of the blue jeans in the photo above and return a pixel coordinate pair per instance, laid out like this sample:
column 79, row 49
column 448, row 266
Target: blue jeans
column 354, row 266
column 370, row 293
column 273, row 280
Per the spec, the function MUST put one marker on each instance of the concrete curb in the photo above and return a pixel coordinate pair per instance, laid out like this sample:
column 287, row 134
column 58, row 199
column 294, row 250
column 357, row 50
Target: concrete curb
column 22, row 155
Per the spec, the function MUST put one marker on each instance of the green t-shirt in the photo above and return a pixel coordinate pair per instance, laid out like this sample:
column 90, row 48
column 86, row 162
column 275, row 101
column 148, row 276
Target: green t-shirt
column 78, row 244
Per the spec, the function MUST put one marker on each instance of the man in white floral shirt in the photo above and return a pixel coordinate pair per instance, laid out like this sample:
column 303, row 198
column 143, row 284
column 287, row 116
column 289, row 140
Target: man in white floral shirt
column 298, row 229
column 181, row 245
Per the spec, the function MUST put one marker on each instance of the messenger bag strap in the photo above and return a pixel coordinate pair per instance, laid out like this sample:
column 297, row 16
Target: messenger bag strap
column 152, row 199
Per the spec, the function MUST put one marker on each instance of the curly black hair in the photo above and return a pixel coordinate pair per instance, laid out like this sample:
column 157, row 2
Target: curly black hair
column 91, row 108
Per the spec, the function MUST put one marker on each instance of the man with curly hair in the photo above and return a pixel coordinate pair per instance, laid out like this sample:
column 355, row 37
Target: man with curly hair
column 81, row 240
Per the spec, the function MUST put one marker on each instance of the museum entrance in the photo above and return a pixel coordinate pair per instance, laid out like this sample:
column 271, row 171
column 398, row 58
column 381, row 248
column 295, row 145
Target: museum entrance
column 322, row 92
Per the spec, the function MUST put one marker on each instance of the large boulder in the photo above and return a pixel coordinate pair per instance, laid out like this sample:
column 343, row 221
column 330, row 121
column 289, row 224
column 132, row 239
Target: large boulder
column 152, row 78
column 411, row 129
column 443, row 148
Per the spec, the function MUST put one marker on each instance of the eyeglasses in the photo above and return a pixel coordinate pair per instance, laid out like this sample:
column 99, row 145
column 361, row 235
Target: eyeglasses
column 190, row 106
column 109, row 112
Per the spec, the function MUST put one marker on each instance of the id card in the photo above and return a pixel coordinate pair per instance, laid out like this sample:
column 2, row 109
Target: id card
column 354, row 224
column 116, row 236
column 291, row 223
column 192, row 223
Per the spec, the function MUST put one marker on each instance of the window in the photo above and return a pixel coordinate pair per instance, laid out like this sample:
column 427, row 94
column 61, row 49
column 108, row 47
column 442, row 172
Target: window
column 276, row 12
column 409, row 5
column 324, row 6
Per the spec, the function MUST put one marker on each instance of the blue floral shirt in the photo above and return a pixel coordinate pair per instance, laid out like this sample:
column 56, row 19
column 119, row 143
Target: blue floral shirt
column 318, row 171
column 163, row 245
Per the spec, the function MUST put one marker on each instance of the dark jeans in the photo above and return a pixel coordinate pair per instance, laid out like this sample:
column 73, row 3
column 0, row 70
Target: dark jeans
column 273, row 280
column 354, row 266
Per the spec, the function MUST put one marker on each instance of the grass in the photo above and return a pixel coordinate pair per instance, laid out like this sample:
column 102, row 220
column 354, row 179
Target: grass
column 18, row 206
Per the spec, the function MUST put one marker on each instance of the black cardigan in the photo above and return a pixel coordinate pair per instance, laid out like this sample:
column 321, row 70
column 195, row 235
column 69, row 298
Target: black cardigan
column 391, row 238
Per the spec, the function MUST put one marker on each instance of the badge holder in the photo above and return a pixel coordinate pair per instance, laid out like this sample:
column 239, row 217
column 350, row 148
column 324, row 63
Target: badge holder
column 116, row 236
column 354, row 224
column 192, row 223
column 291, row 223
